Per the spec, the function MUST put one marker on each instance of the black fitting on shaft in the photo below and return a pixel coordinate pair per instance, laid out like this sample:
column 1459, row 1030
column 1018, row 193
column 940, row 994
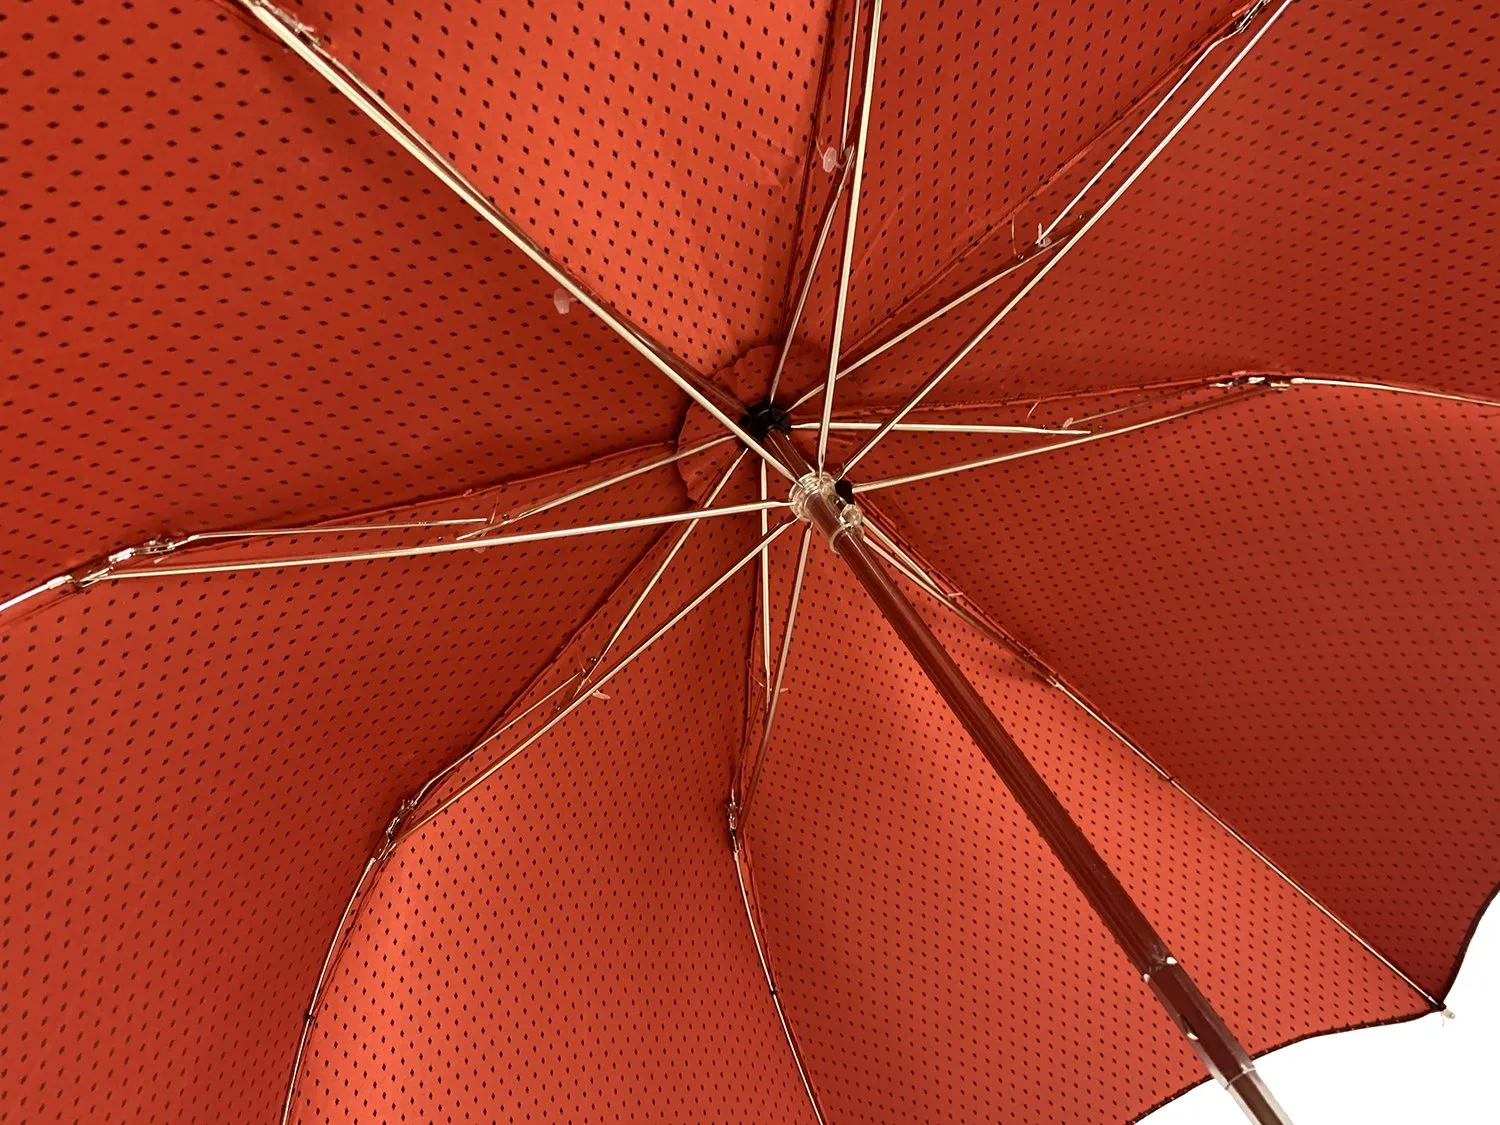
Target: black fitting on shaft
column 761, row 419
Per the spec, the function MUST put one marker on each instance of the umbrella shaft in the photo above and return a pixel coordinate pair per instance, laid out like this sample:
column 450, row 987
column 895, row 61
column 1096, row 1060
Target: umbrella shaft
column 1214, row 1042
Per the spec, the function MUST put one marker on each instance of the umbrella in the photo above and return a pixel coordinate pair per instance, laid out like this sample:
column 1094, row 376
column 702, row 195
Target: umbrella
column 715, row 562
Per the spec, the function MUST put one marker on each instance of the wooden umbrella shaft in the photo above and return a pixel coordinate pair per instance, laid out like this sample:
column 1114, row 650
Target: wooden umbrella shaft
column 1215, row 1043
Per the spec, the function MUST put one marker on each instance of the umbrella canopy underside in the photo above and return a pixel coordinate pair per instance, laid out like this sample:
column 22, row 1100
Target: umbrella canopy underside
column 1208, row 520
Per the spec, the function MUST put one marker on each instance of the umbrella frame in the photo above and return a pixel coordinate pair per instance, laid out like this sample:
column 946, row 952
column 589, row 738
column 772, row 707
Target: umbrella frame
column 819, row 499
column 829, row 505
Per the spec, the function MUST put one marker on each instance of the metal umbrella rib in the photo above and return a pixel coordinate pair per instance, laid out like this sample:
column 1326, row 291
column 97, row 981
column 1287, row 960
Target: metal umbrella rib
column 901, row 561
column 484, row 775
column 300, row 38
column 815, row 500
column 1046, row 243
column 1078, row 236
column 744, row 795
column 851, row 227
column 661, row 569
column 824, row 228
column 1058, row 446
column 427, row 549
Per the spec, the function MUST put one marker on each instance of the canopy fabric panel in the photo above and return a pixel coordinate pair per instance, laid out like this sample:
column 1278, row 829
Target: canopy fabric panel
column 1325, row 212
column 1285, row 603
column 937, row 961
column 657, row 153
column 977, row 111
column 392, row 734
column 568, row 942
column 199, row 766
column 231, row 303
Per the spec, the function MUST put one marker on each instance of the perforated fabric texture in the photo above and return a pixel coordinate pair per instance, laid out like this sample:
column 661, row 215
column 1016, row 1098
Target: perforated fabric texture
column 974, row 111
column 656, row 152
column 198, row 768
column 567, row 943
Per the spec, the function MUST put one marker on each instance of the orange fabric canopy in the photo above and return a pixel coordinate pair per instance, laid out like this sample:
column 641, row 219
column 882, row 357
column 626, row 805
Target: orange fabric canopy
column 344, row 789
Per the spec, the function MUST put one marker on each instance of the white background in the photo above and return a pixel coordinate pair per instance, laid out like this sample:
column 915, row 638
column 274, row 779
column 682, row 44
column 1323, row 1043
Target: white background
column 1428, row 1070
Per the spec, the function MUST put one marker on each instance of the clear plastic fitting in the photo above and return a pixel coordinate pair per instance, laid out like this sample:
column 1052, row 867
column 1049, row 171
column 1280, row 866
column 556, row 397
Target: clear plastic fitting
column 804, row 489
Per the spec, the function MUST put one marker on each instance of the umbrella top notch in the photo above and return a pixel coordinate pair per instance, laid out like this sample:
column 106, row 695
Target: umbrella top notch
column 745, row 390
column 764, row 417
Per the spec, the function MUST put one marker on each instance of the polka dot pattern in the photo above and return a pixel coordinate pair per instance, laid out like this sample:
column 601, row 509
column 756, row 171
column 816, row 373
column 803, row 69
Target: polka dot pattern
column 1331, row 209
column 229, row 303
column 567, row 943
column 657, row 152
column 974, row 112
column 198, row 768
column 936, row 960
column 1285, row 601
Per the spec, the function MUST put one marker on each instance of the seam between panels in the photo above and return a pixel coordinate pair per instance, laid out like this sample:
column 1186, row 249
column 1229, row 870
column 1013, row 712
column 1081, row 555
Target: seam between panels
column 739, row 847
column 595, row 614
column 374, row 867
column 1081, row 703
column 757, row 678
column 495, row 726
column 1277, row 377
column 1094, row 218
column 1048, row 675
column 750, row 899
column 372, row 870
column 1179, row 386
column 79, row 577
